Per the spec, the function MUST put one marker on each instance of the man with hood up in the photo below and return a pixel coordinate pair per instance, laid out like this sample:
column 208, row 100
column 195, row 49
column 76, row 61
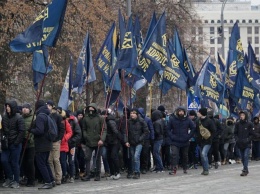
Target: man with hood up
column 13, row 128
column 244, row 132
column 145, row 154
column 256, row 140
column 94, row 134
column 180, row 129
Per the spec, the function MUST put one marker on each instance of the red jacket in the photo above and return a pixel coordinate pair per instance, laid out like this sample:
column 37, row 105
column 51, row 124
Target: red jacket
column 64, row 146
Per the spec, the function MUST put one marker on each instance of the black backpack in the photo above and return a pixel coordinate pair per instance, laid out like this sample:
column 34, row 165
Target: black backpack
column 52, row 132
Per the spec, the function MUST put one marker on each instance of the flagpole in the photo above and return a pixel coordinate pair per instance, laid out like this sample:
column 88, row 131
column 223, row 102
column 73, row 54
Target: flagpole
column 129, row 8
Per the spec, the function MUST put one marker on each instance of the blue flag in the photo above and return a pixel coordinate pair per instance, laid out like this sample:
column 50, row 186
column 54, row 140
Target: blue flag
column 122, row 28
column 106, row 58
column 235, row 45
column 85, row 72
column 221, row 67
column 65, row 97
column 154, row 54
column 138, row 35
column 178, row 50
column 254, row 65
column 137, row 85
column 40, row 66
column 43, row 31
column 152, row 25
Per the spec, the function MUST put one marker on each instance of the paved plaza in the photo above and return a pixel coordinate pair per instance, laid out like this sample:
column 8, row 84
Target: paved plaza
column 224, row 180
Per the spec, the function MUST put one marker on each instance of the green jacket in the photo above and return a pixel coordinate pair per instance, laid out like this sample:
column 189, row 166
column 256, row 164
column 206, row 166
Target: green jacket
column 27, row 121
column 92, row 125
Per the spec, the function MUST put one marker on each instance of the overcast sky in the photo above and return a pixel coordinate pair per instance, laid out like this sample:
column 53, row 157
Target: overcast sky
column 255, row 2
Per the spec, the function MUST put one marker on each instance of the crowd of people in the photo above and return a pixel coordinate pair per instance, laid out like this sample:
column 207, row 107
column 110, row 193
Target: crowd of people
column 132, row 142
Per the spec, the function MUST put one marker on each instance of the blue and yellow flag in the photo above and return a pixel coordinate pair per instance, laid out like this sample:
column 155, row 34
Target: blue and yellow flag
column 254, row 65
column 122, row 28
column 43, row 31
column 85, row 72
column 154, row 54
column 66, row 93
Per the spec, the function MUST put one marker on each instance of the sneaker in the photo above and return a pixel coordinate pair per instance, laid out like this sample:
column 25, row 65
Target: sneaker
column 205, row 172
column 173, row 172
column 216, row 165
column 85, row 178
column 15, row 185
column 117, row 176
column 7, row 183
column 185, row 171
column 106, row 174
column 244, row 173
column 110, row 177
column 159, row 171
column 136, row 175
column 71, row 180
column 57, row 182
column 143, row 171
column 46, row 186
column 129, row 175
column 195, row 166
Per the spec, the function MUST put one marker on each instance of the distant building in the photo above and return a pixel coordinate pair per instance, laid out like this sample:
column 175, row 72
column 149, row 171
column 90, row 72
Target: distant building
column 210, row 15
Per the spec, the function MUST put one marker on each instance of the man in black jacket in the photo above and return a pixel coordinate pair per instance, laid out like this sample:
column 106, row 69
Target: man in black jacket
column 244, row 132
column 43, row 146
column 137, row 132
column 54, row 158
column 13, row 130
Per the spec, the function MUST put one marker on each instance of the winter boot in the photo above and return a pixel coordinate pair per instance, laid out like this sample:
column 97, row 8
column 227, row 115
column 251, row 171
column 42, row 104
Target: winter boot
column 136, row 175
column 97, row 177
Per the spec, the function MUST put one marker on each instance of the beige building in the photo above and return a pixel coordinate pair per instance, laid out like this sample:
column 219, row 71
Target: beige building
column 241, row 10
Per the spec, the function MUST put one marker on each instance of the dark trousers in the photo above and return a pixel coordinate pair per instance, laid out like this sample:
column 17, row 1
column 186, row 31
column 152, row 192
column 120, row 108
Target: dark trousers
column 166, row 155
column 145, row 155
column 71, row 165
column 79, row 160
column 127, row 159
column 88, row 154
column 43, row 166
column 176, row 156
column 214, row 150
column 193, row 153
column 28, row 167
column 112, row 157
column 63, row 163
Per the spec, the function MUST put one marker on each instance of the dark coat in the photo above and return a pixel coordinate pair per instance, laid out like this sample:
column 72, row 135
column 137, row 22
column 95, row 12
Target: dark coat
column 257, row 131
column 149, row 122
column 209, row 124
column 28, row 125
column 76, row 132
column 137, row 131
column 180, row 130
column 158, row 125
column 41, row 142
column 60, row 125
column 112, row 130
column 13, row 125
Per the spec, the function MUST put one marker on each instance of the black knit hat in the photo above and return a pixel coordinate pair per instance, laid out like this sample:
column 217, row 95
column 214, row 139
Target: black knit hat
column 39, row 104
column 27, row 105
column 203, row 111
column 161, row 108
column 50, row 102
column 192, row 113
column 135, row 110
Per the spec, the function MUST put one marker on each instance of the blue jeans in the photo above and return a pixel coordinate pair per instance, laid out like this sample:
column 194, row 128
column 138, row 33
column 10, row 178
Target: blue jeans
column 156, row 154
column 63, row 163
column 71, row 165
column 135, row 155
column 244, row 156
column 104, row 158
column 204, row 156
column 10, row 160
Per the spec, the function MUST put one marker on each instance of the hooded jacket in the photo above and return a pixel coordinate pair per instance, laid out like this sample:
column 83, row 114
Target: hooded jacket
column 228, row 132
column 257, row 129
column 180, row 129
column 27, row 122
column 149, row 122
column 244, row 132
column 13, row 125
column 219, row 129
column 77, row 133
column 93, row 127
column 64, row 145
column 41, row 142
column 158, row 125
column 112, row 130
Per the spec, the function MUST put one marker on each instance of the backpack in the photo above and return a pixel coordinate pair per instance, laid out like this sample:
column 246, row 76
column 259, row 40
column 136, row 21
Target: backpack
column 204, row 132
column 52, row 132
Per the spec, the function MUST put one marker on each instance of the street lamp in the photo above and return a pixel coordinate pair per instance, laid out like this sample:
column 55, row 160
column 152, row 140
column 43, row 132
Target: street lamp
column 221, row 29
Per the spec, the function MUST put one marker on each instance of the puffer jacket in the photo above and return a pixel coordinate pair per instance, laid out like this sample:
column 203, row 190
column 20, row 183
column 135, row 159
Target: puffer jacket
column 64, row 146
column 208, row 124
column 28, row 120
column 158, row 125
column 149, row 122
column 13, row 125
column 257, row 130
column 180, row 130
column 77, row 134
column 137, row 131
column 112, row 130
column 93, row 127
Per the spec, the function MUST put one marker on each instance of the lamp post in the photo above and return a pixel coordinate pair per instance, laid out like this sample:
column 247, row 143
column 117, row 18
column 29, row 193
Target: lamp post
column 222, row 29
column 128, row 6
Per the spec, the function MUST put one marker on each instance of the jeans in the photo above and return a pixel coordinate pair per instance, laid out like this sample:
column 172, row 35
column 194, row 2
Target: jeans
column 88, row 154
column 244, row 156
column 193, row 153
column 145, row 155
column 204, row 156
column 63, row 162
column 176, row 156
column 156, row 153
column 166, row 155
column 104, row 158
column 135, row 155
column 71, row 166
column 43, row 166
column 214, row 150
column 10, row 160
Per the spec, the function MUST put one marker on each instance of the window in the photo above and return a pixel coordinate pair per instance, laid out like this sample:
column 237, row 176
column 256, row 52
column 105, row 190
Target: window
column 206, row 21
column 256, row 50
column 212, row 50
column 250, row 21
column 237, row 21
column 256, row 21
column 212, row 21
column 243, row 21
column 249, row 30
column 212, row 40
column 219, row 40
column 218, row 21
column 249, row 39
column 256, row 30
column 256, row 40
column 200, row 30
column 231, row 21
column 225, row 21
column 212, row 30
